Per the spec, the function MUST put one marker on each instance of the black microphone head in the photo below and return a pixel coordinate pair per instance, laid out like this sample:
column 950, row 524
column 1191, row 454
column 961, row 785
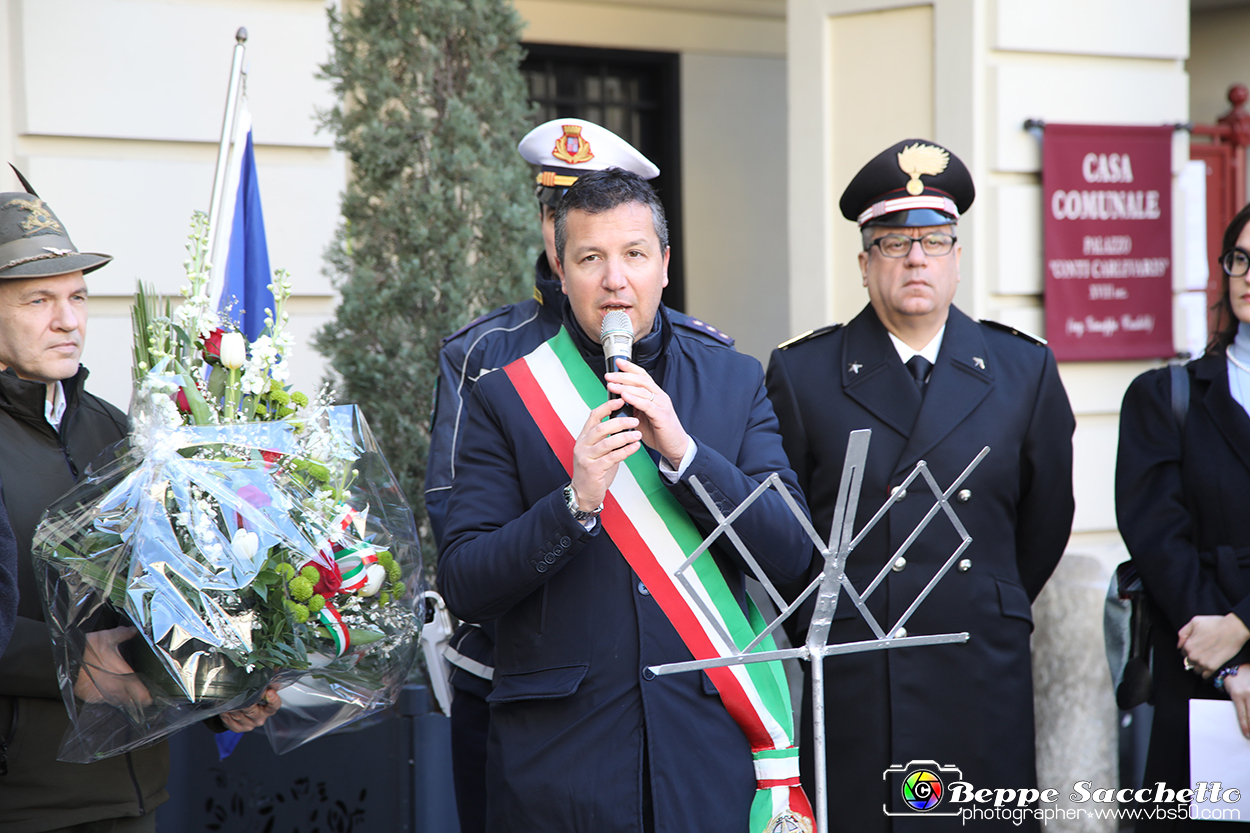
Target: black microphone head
column 616, row 334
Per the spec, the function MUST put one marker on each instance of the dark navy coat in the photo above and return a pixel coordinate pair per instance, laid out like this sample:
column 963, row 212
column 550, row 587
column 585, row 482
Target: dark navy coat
column 968, row 705
column 576, row 722
column 1180, row 505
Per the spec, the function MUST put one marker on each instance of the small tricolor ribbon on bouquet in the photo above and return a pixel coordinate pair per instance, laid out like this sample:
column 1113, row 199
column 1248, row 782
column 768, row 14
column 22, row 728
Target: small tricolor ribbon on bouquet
column 333, row 622
column 353, row 563
column 344, row 568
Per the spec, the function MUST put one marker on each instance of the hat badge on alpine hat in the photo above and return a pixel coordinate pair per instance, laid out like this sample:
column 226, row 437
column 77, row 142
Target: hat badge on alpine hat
column 914, row 183
column 564, row 149
column 34, row 244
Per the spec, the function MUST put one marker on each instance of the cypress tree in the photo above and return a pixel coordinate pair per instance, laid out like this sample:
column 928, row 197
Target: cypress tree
column 438, row 226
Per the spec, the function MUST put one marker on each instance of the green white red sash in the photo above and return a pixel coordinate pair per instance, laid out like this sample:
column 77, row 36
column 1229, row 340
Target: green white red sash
column 656, row 535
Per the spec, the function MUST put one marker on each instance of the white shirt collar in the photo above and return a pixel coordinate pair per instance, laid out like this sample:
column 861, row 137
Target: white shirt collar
column 1238, row 379
column 54, row 408
column 929, row 351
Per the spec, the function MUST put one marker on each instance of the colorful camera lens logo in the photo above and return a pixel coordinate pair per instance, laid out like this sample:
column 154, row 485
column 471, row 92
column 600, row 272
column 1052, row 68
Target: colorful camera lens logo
column 922, row 790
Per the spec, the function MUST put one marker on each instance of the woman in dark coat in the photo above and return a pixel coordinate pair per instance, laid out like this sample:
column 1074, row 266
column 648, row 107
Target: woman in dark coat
column 1180, row 503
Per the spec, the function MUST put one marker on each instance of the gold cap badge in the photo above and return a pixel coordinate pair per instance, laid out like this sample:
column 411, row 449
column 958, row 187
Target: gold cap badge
column 39, row 218
column 921, row 160
column 572, row 147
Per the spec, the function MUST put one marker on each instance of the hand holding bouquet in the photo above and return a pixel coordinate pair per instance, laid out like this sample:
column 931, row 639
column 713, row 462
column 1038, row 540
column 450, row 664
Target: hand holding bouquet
column 246, row 538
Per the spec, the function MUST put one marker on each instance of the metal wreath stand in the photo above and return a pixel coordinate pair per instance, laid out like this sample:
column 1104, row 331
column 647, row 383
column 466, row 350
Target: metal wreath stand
column 830, row 583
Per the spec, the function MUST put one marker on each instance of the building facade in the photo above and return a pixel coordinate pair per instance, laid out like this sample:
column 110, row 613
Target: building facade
column 112, row 108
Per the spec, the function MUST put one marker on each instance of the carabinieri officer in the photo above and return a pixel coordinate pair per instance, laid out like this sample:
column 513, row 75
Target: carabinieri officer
column 933, row 385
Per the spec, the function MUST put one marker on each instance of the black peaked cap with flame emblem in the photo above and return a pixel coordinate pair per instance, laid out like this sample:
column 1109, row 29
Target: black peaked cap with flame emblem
column 34, row 244
column 914, row 183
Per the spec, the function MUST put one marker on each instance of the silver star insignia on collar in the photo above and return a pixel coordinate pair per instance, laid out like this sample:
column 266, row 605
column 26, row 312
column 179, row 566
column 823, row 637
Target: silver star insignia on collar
column 855, row 366
column 979, row 362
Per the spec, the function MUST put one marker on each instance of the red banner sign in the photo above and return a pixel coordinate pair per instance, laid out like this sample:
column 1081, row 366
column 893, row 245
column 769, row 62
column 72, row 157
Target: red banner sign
column 1108, row 209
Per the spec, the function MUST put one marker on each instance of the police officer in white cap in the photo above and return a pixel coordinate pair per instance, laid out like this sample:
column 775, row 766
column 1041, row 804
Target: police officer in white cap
column 562, row 150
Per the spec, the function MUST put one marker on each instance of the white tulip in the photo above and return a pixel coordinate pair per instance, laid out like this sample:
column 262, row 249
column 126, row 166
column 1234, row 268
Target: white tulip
column 375, row 575
column 233, row 350
column 245, row 544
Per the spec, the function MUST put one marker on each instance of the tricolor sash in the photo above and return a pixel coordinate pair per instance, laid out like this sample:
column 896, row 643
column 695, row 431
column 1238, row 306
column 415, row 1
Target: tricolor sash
column 656, row 535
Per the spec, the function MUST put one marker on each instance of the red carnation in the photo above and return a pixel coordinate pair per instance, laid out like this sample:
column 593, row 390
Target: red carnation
column 212, row 344
column 331, row 580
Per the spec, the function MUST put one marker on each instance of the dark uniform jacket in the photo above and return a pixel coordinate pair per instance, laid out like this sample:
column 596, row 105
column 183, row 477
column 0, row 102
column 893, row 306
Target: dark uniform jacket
column 1180, row 511
column 582, row 737
column 965, row 705
column 8, row 576
column 38, row 464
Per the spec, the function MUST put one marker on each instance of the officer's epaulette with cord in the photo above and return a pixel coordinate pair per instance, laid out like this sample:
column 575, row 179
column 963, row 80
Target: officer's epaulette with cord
column 808, row 336
column 1015, row 331
column 495, row 313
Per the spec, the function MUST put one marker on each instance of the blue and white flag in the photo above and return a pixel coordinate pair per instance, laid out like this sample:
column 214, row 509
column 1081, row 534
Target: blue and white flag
column 242, row 287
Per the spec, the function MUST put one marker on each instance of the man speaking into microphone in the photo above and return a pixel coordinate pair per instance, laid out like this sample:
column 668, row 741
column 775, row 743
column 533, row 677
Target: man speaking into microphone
column 564, row 524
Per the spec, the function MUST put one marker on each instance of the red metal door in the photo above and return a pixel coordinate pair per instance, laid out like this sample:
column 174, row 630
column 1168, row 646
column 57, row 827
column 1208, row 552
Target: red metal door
column 1225, row 156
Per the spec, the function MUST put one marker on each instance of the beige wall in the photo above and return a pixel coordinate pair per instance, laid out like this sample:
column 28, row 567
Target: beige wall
column 113, row 111
column 734, row 187
column 870, row 111
column 743, row 27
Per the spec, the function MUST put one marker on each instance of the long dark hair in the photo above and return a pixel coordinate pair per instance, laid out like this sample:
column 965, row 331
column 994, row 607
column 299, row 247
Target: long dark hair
column 1226, row 323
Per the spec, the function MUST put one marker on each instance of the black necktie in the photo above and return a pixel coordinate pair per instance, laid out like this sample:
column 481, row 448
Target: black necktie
column 919, row 366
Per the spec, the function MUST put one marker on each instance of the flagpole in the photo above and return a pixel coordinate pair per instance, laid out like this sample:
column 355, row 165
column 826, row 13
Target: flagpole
column 223, row 149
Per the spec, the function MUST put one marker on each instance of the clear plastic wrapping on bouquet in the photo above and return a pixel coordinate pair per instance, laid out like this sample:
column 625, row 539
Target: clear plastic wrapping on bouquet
column 205, row 564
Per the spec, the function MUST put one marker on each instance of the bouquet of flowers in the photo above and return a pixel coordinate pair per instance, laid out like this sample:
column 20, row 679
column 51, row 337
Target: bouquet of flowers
column 244, row 537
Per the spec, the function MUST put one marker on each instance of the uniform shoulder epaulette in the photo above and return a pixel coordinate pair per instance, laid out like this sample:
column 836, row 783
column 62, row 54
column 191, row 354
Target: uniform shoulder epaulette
column 1015, row 331
column 703, row 328
column 808, row 336
column 495, row 313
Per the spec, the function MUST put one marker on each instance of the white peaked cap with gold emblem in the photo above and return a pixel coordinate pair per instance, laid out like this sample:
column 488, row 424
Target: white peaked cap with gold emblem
column 564, row 149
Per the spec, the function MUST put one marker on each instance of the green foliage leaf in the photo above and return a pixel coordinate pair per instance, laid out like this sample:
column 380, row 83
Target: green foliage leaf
column 200, row 410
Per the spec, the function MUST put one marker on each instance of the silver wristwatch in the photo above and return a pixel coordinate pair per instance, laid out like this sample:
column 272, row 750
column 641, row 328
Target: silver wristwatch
column 579, row 515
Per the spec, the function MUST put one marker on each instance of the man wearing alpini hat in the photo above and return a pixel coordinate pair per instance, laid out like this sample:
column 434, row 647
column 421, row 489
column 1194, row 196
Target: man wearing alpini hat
column 935, row 385
column 562, row 150
column 51, row 429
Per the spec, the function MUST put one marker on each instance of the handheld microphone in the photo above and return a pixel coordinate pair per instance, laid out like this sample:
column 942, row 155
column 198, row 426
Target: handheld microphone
column 616, row 334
